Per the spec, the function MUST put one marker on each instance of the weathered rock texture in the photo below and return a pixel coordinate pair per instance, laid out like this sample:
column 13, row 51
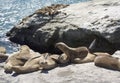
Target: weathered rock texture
column 76, row 25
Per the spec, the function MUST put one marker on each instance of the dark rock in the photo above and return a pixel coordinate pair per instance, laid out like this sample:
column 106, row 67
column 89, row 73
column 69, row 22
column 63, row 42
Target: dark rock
column 76, row 25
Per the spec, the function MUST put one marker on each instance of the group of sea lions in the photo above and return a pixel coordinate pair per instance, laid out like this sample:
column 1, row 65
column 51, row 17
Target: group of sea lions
column 26, row 60
column 82, row 55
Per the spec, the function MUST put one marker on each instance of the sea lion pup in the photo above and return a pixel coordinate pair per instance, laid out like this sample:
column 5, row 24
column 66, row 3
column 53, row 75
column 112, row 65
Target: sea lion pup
column 108, row 62
column 36, row 63
column 18, row 58
column 75, row 55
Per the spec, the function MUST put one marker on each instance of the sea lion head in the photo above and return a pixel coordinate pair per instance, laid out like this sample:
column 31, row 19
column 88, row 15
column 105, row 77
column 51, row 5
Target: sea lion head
column 46, row 62
column 61, row 45
column 43, row 61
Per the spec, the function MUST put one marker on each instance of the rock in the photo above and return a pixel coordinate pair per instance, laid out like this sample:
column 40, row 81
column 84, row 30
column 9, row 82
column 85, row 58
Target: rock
column 117, row 54
column 76, row 25
column 84, row 73
column 2, row 50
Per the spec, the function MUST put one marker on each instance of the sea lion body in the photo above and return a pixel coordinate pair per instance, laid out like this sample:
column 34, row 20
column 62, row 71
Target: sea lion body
column 36, row 63
column 75, row 55
column 108, row 62
column 30, row 66
column 18, row 58
column 89, row 58
column 80, row 52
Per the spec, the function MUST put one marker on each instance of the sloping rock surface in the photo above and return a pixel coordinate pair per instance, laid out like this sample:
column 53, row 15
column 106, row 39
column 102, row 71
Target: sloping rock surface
column 76, row 25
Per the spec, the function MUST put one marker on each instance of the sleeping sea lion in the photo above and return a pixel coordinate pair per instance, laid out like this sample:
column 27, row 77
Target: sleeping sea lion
column 36, row 63
column 108, row 62
column 18, row 58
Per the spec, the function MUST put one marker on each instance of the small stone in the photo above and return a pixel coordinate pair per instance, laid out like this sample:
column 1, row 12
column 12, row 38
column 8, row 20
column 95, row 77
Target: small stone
column 2, row 50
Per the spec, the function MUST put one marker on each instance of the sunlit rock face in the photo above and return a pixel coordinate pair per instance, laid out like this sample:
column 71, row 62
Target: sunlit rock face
column 76, row 25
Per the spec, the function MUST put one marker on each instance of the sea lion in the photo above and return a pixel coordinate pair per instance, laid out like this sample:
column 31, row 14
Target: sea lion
column 50, row 10
column 108, row 62
column 18, row 58
column 75, row 55
column 36, row 63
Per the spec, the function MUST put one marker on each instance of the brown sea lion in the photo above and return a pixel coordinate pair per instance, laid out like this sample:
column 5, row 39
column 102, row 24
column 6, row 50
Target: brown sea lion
column 75, row 55
column 36, row 63
column 18, row 58
column 108, row 62
column 50, row 10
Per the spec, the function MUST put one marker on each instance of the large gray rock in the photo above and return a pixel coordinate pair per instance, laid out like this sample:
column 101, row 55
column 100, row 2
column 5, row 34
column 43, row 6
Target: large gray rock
column 76, row 25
